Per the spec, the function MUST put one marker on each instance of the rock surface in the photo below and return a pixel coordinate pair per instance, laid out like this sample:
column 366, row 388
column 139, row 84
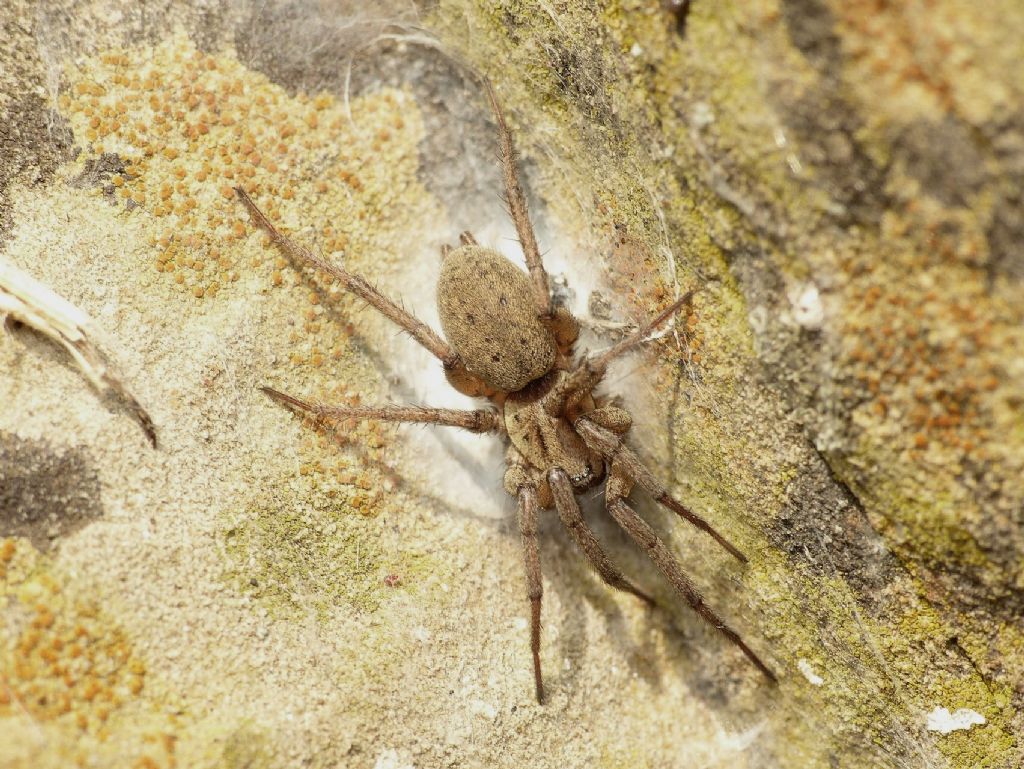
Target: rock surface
column 839, row 181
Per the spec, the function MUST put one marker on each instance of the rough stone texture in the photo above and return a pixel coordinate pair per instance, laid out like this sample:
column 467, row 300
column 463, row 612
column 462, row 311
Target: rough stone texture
column 841, row 183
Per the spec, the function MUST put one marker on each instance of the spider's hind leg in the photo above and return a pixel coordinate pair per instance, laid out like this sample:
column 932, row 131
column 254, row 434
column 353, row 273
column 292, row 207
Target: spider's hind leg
column 517, row 209
column 479, row 421
column 301, row 256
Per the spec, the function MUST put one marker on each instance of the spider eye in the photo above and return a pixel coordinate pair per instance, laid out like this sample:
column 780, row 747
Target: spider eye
column 584, row 477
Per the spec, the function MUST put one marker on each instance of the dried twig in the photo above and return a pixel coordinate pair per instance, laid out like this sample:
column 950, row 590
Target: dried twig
column 25, row 300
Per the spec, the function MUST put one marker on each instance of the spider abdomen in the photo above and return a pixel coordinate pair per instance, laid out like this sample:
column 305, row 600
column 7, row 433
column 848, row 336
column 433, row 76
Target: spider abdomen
column 489, row 316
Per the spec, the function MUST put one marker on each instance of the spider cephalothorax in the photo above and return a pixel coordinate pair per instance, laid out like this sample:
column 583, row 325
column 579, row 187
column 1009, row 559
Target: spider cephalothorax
column 506, row 341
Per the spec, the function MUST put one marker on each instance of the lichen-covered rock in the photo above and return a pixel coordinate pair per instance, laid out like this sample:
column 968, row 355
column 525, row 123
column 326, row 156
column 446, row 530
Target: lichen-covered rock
column 839, row 181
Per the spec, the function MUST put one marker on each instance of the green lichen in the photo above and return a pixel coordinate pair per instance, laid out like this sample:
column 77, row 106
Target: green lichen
column 923, row 520
column 247, row 748
column 296, row 558
column 613, row 757
column 989, row 745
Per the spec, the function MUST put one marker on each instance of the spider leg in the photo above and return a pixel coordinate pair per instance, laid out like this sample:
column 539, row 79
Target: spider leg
column 641, row 533
column 480, row 421
column 615, row 451
column 611, row 417
column 419, row 330
column 517, row 208
column 585, row 378
column 572, row 519
column 535, row 589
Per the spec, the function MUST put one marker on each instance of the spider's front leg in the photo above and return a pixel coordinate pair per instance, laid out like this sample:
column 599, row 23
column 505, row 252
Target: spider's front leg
column 592, row 369
column 583, row 536
column 521, row 484
column 625, row 469
column 534, row 586
column 609, row 445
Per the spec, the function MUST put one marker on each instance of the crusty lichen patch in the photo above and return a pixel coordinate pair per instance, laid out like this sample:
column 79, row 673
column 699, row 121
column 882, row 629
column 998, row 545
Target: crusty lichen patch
column 930, row 391
column 69, row 675
column 187, row 127
column 951, row 58
column 298, row 558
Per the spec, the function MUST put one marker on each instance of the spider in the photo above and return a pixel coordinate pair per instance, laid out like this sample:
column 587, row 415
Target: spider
column 506, row 340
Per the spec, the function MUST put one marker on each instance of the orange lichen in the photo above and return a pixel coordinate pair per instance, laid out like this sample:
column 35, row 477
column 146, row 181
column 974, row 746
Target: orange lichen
column 71, row 670
column 926, row 62
column 933, row 358
column 189, row 127
column 62, row 660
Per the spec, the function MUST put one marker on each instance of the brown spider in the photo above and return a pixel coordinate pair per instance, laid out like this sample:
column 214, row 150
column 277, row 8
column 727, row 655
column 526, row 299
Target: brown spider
column 507, row 342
